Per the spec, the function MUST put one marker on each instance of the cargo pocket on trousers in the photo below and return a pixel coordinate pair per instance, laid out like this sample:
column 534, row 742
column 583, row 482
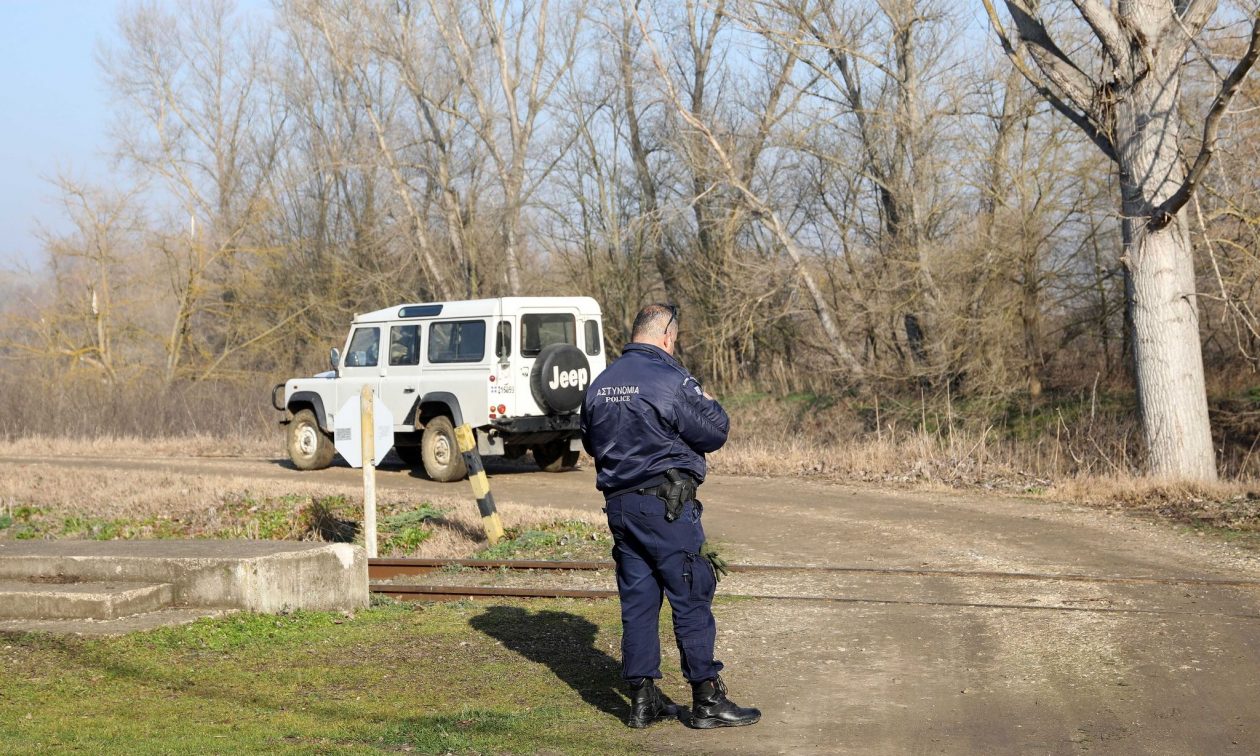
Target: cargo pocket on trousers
column 700, row 578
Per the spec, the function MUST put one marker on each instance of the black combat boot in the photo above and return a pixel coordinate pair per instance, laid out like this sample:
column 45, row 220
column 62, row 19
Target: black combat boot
column 711, row 708
column 647, row 704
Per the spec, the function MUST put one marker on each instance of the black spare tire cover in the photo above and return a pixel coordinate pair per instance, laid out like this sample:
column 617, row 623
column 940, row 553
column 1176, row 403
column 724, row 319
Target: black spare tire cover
column 559, row 378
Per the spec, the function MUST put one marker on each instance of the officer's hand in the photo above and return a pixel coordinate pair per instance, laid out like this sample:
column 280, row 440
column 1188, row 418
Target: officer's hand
column 719, row 564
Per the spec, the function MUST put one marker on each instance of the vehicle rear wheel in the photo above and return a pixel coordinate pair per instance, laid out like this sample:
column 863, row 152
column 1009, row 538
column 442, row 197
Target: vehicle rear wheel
column 309, row 447
column 555, row 456
column 439, row 450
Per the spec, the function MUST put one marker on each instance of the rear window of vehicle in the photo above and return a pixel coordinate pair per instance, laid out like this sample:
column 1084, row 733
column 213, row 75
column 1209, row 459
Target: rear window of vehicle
column 503, row 340
column 592, row 337
column 459, row 341
column 540, row 330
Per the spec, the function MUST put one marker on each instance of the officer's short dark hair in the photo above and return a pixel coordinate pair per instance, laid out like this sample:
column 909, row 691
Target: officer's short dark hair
column 652, row 321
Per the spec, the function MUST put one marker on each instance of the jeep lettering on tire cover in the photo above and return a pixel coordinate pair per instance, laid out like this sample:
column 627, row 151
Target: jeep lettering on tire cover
column 559, row 378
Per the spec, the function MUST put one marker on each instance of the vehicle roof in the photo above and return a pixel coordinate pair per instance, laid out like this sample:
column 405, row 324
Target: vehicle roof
column 483, row 307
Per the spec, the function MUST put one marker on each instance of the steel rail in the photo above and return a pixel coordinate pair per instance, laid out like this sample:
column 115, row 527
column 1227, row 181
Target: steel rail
column 380, row 569
column 457, row 592
column 461, row 592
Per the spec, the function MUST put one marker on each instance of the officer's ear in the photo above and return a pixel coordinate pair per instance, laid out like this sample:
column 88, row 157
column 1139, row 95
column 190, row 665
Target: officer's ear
column 669, row 340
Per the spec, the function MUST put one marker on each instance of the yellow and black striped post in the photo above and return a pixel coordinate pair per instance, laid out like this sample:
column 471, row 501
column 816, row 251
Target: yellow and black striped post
column 480, row 484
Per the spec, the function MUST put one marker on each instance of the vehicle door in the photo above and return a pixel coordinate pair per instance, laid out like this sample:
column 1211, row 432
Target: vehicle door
column 457, row 359
column 539, row 328
column 361, row 364
column 503, row 389
column 400, row 385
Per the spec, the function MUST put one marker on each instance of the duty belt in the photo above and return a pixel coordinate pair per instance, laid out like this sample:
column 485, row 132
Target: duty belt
column 674, row 487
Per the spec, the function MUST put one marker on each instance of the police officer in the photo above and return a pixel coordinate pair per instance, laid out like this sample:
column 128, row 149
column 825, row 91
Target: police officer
column 648, row 424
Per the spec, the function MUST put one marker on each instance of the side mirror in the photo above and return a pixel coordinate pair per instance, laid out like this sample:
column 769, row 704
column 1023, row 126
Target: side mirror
column 334, row 357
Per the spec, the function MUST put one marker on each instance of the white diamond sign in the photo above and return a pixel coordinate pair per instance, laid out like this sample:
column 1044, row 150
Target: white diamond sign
column 347, row 429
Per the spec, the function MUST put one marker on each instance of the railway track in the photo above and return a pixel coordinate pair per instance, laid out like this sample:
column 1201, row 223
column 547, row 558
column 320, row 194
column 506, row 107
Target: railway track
column 381, row 570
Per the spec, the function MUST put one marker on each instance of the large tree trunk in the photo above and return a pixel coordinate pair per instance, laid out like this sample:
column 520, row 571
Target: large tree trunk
column 1168, row 359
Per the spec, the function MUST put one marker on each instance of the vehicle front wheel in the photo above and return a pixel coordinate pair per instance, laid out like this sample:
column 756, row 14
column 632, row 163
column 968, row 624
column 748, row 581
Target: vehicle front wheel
column 555, row 456
column 443, row 461
column 309, row 447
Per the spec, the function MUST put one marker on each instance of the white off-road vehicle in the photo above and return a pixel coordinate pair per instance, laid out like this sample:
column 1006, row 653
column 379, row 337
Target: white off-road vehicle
column 514, row 368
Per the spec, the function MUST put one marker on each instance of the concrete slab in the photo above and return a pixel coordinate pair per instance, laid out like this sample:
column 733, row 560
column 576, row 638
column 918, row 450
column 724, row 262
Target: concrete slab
column 261, row 576
column 120, row 626
column 26, row 599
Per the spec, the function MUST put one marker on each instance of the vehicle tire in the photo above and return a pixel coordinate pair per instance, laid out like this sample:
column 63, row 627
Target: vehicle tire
column 410, row 455
column 555, row 456
column 309, row 447
column 439, row 450
column 562, row 361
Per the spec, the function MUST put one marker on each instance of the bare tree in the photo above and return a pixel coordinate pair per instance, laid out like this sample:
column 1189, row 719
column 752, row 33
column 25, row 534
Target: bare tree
column 198, row 121
column 719, row 166
column 1126, row 100
column 95, row 270
column 884, row 111
column 453, row 163
column 511, row 57
column 641, row 149
column 342, row 28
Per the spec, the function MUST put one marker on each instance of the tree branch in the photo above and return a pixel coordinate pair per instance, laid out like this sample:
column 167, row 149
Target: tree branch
column 1081, row 119
column 1195, row 14
column 1054, row 63
column 1168, row 209
column 1106, row 28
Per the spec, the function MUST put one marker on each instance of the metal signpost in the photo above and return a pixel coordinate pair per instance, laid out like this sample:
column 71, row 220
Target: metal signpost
column 365, row 450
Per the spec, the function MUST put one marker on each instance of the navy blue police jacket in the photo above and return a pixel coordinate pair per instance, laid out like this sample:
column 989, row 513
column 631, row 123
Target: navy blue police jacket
column 646, row 414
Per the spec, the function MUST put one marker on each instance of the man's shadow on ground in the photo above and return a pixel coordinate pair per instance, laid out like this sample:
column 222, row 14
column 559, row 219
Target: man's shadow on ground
column 566, row 644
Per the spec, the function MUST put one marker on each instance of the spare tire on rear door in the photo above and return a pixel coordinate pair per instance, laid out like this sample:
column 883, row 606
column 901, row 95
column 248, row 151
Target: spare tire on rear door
column 559, row 378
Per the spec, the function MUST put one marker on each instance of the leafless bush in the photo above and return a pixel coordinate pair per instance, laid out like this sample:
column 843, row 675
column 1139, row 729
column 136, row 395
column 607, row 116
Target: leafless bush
column 934, row 443
column 86, row 408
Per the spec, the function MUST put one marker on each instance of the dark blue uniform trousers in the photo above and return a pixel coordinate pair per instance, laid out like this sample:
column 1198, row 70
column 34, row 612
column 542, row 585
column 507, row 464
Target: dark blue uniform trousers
column 656, row 558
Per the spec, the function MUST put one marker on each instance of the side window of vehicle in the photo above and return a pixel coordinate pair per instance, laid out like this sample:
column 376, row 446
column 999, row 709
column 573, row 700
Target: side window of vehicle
column 503, row 340
column 404, row 345
column 460, row 341
column 543, row 329
column 592, row 337
column 364, row 348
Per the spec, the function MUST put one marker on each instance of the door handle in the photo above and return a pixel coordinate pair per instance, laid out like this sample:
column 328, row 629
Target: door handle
column 409, row 391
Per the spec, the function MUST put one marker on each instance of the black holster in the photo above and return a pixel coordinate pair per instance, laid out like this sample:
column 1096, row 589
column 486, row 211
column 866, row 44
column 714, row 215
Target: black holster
column 679, row 487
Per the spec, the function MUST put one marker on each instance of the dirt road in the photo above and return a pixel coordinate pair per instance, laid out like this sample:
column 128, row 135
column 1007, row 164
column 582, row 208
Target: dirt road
column 919, row 660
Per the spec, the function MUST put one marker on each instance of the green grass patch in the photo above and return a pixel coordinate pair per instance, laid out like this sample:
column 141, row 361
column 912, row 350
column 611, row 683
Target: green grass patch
column 405, row 531
column 430, row 678
column 567, row 540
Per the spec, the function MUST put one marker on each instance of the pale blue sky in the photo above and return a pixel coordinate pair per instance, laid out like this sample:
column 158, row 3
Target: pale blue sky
column 54, row 114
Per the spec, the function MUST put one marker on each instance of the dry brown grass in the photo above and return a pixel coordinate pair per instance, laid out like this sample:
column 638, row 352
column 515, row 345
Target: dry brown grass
column 1230, row 505
column 967, row 461
column 137, row 504
column 200, row 445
